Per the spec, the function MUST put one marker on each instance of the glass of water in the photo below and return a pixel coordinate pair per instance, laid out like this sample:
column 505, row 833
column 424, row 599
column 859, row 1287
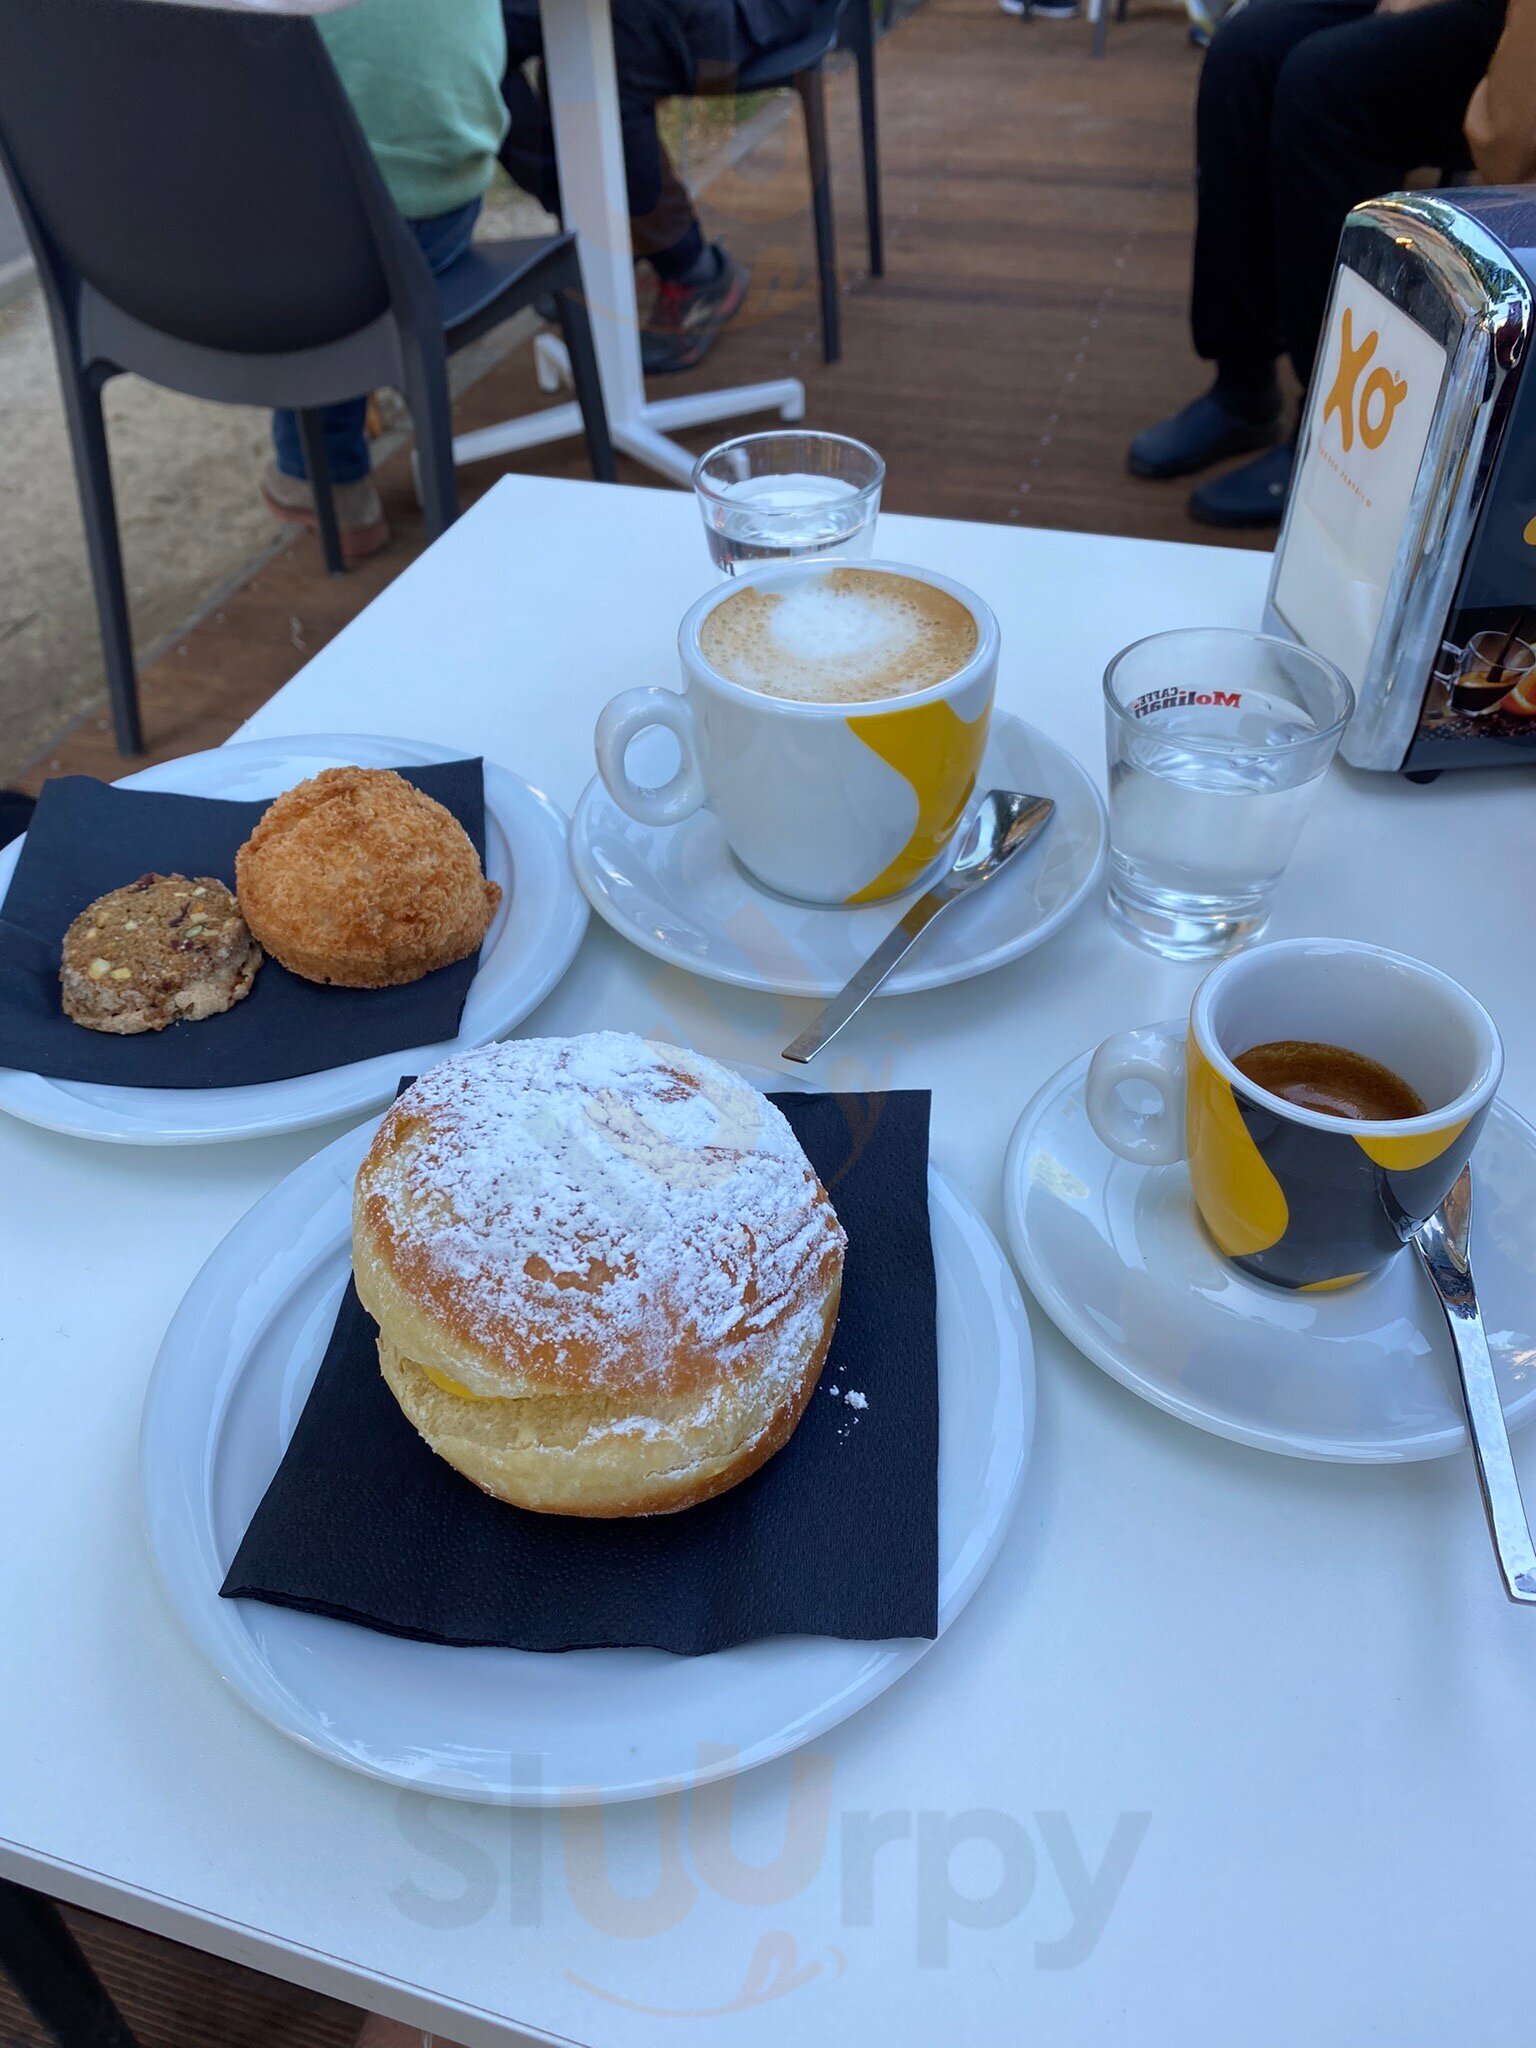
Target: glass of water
column 774, row 497
column 1218, row 740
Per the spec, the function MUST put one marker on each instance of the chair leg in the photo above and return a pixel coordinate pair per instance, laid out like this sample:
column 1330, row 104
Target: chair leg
column 869, row 138
column 45, row 1963
column 426, row 393
column 312, row 445
column 98, row 512
column 813, row 99
column 577, row 330
column 1100, row 27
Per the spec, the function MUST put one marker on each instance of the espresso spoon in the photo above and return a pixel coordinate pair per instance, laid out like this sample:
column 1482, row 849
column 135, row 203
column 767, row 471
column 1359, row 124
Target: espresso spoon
column 1441, row 1242
column 1003, row 824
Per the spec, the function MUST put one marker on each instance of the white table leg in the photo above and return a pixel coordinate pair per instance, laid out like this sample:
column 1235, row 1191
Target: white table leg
column 583, row 93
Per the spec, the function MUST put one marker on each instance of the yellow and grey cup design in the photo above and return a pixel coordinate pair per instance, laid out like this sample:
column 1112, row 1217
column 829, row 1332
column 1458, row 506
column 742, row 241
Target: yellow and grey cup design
column 929, row 756
column 1304, row 1207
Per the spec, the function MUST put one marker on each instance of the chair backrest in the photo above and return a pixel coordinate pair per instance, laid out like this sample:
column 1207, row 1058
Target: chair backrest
column 202, row 169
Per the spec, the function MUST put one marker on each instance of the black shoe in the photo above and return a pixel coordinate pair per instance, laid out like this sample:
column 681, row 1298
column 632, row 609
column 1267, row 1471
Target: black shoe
column 1253, row 494
column 686, row 318
column 1206, row 431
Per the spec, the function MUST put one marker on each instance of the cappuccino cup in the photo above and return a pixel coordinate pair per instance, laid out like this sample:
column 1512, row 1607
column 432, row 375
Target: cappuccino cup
column 833, row 716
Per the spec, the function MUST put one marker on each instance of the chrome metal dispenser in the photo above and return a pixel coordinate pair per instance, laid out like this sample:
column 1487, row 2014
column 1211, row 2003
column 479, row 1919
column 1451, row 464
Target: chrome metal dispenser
column 1408, row 552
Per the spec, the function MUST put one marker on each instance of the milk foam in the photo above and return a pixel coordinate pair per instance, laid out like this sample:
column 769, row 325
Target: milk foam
column 843, row 636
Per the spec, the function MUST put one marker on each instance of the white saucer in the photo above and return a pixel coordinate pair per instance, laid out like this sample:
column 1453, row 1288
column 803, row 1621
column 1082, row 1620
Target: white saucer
column 508, row 1726
column 679, row 894
column 1116, row 1256
column 530, row 944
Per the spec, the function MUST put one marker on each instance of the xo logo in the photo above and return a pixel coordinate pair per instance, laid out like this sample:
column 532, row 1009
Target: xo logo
column 1379, row 397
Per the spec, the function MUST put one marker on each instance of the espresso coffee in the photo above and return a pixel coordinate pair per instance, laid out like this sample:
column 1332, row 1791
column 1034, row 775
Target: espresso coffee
column 1479, row 689
column 848, row 636
column 1330, row 1079
column 1493, row 665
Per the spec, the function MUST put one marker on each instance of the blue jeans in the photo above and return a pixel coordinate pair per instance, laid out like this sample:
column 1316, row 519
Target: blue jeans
column 443, row 239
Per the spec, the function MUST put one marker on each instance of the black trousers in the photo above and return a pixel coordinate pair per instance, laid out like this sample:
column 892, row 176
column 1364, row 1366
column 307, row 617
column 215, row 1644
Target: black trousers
column 663, row 49
column 1306, row 108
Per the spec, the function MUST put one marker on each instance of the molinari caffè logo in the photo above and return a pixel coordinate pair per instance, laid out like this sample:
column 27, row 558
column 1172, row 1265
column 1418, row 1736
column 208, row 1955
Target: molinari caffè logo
column 1170, row 698
column 1362, row 403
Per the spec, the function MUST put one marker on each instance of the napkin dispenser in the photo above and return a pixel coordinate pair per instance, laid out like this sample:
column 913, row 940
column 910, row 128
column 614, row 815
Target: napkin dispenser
column 1408, row 552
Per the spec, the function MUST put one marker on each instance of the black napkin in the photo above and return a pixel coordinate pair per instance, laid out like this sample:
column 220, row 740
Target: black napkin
column 86, row 838
column 836, row 1536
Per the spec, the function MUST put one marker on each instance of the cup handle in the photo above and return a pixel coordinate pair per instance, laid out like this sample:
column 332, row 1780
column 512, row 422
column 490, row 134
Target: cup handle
column 633, row 712
column 1150, row 1138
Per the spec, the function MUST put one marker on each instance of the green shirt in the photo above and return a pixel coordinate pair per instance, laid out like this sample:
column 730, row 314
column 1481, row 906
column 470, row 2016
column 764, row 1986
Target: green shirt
column 425, row 79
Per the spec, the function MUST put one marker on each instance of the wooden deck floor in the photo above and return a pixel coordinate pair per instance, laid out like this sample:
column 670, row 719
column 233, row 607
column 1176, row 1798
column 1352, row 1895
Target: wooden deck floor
column 174, row 1997
column 1031, row 318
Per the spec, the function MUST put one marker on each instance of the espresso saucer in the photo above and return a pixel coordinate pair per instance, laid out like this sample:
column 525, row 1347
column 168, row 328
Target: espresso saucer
column 1118, row 1259
column 678, row 893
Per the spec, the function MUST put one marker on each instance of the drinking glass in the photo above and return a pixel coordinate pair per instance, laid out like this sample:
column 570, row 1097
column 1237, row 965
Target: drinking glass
column 773, row 497
column 1218, row 739
column 1492, row 664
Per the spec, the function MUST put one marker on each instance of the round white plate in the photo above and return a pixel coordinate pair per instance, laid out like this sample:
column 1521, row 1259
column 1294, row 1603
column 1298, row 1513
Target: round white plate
column 678, row 892
column 1119, row 1261
column 530, row 944
column 510, row 1726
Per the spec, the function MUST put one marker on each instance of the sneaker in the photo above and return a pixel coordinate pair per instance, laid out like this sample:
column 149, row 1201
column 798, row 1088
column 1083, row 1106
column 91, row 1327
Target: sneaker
column 1252, row 495
column 1206, row 431
column 685, row 319
column 359, row 515
column 1056, row 10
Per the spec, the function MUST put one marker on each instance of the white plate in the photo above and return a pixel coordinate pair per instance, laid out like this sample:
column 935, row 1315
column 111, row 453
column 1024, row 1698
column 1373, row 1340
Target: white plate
column 1118, row 1260
column 530, row 944
column 511, row 1726
column 679, row 894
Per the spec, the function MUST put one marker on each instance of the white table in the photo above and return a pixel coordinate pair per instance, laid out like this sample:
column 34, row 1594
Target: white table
column 589, row 148
column 1306, row 1676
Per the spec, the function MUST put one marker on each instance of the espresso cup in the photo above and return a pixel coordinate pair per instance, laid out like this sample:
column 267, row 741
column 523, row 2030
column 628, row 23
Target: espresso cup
column 830, row 801
column 1294, row 1195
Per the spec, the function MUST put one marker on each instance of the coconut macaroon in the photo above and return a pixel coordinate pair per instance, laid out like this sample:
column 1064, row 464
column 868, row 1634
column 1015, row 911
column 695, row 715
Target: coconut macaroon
column 604, row 1273
column 357, row 878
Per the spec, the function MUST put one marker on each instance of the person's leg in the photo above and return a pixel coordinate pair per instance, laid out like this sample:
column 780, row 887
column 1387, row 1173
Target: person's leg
column 656, row 58
column 285, row 485
column 665, row 48
column 359, row 514
column 346, row 445
column 1356, row 110
column 660, row 50
column 1234, row 319
column 445, row 236
column 528, row 148
column 681, row 46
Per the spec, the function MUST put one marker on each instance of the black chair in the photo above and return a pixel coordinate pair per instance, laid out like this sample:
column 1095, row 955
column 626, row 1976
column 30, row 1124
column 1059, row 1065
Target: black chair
column 798, row 67
column 204, row 211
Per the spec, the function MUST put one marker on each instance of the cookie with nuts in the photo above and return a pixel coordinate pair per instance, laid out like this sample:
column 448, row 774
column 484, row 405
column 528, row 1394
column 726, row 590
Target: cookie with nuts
column 159, row 951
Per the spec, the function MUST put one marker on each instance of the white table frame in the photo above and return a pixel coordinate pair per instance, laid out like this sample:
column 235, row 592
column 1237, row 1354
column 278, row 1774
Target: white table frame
column 582, row 83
